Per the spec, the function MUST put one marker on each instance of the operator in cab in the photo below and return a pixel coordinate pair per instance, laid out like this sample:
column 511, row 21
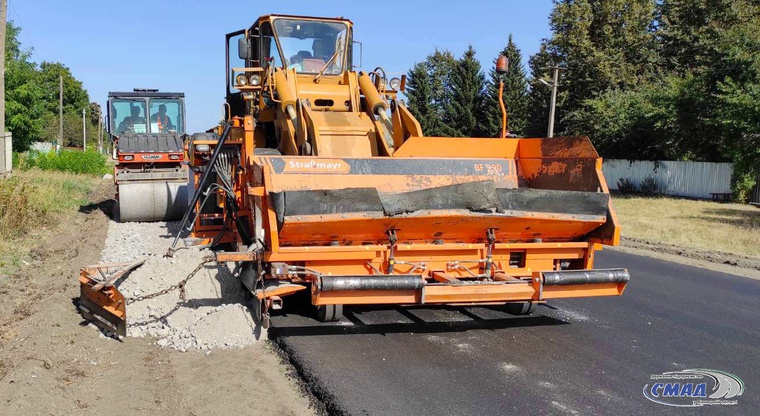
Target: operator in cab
column 162, row 120
column 128, row 124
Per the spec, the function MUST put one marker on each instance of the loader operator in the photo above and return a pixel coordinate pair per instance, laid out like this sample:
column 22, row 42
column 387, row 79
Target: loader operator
column 162, row 119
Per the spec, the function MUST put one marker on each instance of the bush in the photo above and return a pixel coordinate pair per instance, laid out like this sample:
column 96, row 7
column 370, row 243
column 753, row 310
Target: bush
column 742, row 185
column 89, row 162
column 627, row 186
column 649, row 186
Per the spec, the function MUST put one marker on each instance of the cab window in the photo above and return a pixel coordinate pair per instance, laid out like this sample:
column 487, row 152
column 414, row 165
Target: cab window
column 128, row 115
column 313, row 46
column 166, row 116
column 269, row 47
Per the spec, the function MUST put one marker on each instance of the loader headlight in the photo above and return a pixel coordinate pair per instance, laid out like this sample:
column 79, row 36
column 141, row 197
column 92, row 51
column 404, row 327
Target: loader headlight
column 395, row 83
column 255, row 79
column 202, row 148
column 173, row 157
column 129, row 157
column 241, row 79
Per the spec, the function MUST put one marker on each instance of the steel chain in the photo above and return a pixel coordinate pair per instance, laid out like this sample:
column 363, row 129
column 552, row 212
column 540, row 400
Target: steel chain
column 179, row 285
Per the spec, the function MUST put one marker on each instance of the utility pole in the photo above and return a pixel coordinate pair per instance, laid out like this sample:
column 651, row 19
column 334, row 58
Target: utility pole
column 3, row 10
column 100, row 134
column 6, row 150
column 60, row 112
column 555, row 84
column 84, row 131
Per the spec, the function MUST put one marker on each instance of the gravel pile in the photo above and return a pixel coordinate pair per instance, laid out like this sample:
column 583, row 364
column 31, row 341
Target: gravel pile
column 213, row 315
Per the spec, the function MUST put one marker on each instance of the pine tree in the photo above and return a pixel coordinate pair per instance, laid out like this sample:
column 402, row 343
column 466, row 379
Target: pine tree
column 464, row 112
column 690, row 29
column 515, row 95
column 428, row 90
column 419, row 94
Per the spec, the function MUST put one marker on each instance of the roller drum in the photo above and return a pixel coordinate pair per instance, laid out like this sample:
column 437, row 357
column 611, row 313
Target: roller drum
column 152, row 201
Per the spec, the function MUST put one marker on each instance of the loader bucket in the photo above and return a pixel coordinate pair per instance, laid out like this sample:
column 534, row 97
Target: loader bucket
column 100, row 301
column 443, row 190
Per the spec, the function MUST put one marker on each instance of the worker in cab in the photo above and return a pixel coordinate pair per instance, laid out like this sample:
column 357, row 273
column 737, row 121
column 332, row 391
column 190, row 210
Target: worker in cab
column 129, row 122
column 162, row 120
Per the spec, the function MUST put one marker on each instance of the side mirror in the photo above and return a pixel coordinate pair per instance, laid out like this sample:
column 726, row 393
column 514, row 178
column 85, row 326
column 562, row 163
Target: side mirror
column 502, row 65
column 244, row 50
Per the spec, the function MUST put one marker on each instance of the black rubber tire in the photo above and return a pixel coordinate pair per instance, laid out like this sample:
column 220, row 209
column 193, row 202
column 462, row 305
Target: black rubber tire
column 329, row 313
column 521, row 308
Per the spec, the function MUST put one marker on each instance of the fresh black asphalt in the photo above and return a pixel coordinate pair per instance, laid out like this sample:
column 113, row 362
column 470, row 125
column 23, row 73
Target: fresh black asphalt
column 575, row 357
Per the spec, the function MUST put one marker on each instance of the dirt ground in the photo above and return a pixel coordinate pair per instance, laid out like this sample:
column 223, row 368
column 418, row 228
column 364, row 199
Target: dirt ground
column 712, row 256
column 50, row 364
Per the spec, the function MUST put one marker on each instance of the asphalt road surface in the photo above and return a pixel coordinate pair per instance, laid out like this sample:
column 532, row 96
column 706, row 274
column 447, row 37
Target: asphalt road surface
column 577, row 356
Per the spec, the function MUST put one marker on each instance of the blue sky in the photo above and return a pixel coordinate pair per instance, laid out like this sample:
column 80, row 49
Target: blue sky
column 177, row 45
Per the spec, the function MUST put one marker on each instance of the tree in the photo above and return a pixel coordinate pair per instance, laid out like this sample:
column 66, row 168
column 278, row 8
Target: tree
column 95, row 113
column 515, row 94
column 464, row 113
column 75, row 97
column 441, row 66
column 429, row 91
column 605, row 45
column 740, row 115
column 32, row 98
column 23, row 96
column 419, row 94
column 689, row 30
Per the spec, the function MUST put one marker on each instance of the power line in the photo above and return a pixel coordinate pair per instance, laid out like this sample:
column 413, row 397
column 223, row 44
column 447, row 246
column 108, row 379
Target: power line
column 21, row 25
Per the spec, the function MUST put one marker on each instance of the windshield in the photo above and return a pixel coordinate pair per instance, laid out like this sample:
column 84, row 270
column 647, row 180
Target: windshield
column 308, row 46
column 128, row 115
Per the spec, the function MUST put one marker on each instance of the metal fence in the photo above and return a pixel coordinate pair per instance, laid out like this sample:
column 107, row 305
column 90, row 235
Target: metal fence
column 687, row 179
column 6, row 154
column 43, row 147
column 754, row 197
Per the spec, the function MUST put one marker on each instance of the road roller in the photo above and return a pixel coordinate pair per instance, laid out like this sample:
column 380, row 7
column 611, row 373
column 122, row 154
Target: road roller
column 147, row 128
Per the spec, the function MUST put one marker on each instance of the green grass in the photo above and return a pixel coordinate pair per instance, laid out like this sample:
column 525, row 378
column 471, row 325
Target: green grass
column 706, row 225
column 32, row 200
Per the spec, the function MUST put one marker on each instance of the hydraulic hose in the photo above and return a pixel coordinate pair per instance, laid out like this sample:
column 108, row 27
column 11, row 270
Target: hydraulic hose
column 209, row 168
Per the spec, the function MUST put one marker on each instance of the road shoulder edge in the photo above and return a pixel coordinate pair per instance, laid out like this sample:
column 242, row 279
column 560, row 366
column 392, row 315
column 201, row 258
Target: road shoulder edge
column 680, row 259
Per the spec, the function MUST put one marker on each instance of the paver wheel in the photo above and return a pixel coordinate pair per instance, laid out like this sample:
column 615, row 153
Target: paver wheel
column 329, row 313
column 521, row 308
